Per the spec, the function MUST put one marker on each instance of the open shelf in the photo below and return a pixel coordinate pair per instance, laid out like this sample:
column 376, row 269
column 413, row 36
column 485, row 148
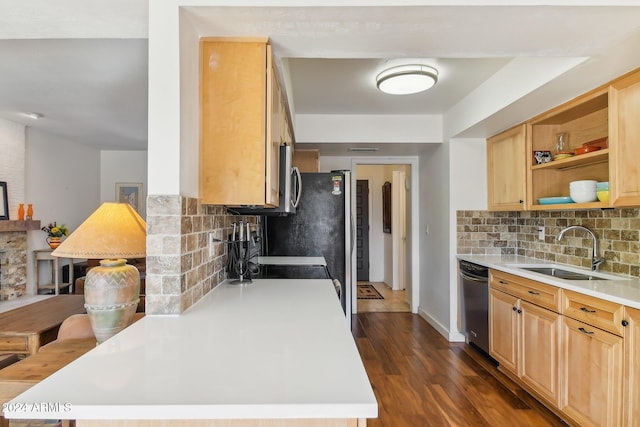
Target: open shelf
column 570, row 206
column 592, row 158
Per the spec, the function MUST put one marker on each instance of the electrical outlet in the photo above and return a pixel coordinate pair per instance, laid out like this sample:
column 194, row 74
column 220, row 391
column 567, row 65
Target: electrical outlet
column 214, row 237
column 541, row 232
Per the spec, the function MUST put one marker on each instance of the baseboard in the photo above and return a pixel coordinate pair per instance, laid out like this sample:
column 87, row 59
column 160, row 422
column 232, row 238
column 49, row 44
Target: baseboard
column 451, row 336
column 442, row 330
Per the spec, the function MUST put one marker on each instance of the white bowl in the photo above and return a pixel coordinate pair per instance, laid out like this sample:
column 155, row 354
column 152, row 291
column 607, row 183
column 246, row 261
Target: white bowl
column 583, row 184
column 583, row 196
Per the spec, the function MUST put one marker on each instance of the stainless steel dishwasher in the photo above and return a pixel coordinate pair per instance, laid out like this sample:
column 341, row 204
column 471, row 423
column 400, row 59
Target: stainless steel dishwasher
column 474, row 283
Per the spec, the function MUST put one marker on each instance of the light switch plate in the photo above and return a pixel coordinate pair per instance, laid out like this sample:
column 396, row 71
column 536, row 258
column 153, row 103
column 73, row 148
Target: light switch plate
column 541, row 232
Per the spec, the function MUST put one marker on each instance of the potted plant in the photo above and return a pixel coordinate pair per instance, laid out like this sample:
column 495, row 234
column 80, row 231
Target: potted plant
column 55, row 233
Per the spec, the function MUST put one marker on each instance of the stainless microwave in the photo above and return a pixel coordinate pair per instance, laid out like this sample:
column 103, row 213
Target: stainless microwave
column 290, row 189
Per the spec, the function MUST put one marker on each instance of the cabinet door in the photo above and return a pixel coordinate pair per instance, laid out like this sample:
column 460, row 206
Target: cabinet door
column 503, row 329
column 632, row 368
column 624, row 134
column 506, row 170
column 540, row 341
column 233, row 119
column 592, row 380
column 274, row 130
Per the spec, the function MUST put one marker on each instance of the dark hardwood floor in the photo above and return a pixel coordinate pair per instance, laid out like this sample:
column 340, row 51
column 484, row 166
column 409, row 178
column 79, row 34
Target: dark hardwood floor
column 420, row 379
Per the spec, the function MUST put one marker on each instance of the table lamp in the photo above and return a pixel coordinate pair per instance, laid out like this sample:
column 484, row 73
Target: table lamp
column 113, row 233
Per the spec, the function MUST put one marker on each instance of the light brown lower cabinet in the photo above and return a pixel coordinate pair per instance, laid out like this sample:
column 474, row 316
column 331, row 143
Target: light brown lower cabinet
column 592, row 374
column 581, row 359
column 631, row 396
column 524, row 339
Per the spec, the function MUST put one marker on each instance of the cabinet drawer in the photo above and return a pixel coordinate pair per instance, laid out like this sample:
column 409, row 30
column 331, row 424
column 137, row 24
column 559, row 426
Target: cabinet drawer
column 594, row 311
column 537, row 293
column 13, row 343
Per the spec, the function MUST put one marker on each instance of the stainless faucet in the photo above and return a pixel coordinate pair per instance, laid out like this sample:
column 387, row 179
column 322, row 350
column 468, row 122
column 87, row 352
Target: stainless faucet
column 595, row 260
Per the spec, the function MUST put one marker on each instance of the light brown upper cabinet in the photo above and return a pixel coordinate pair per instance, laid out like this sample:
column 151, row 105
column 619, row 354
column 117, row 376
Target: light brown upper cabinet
column 307, row 160
column 624, row 141
column 607, row 113
column 506, row 170
column 241, row 116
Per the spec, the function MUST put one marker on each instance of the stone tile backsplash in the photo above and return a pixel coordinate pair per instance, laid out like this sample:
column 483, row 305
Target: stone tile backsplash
column 495, row 233
column 180, row 270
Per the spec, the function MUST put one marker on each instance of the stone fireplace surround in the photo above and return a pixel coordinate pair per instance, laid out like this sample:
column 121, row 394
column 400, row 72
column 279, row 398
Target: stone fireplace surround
column 13, row 264
column 13, row 257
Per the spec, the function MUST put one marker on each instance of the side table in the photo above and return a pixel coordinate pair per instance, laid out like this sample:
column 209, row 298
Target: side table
column 45, row 255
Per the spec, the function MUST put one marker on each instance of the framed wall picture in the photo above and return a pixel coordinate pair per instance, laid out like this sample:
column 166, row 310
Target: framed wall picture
column 130, row 192
column 386, row 207
column 4, row 201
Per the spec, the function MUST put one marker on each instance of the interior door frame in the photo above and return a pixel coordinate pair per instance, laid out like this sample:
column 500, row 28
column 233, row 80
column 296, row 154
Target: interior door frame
column 414, row 251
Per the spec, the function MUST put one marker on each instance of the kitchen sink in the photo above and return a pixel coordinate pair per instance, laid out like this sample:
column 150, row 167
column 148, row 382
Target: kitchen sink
column 563, row 274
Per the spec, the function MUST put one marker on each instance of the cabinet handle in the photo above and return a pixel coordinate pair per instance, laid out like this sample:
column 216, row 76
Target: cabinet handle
column 520, row 201
column 519, row 311
column 625, row 323
column 584, row 331
column 534, row 293
column 502, row 282
column 515, row 308
column 586, row 310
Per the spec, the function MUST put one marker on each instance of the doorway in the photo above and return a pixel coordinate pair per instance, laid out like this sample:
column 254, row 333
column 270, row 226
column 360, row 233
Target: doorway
column 389, row 273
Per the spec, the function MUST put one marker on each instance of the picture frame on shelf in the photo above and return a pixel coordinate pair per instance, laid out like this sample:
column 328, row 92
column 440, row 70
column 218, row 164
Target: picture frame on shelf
column 4, row 201
column 540, row 157
column 130, row 192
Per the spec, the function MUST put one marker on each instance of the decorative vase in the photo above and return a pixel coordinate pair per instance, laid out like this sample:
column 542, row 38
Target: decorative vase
column 21, row 212
column 111, row 296
column 53, row 242
column 30, row 212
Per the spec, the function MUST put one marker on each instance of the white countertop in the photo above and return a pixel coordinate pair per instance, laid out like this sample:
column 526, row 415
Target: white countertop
column 619, row 289
column 292, row 260
column 272, row 349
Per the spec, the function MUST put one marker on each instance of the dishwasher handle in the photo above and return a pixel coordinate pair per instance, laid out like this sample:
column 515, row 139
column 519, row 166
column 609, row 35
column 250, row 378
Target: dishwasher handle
column 473, row 278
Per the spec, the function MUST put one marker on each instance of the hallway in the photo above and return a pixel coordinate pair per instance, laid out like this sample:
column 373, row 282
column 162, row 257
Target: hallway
column 392, row 301
column 420, row 379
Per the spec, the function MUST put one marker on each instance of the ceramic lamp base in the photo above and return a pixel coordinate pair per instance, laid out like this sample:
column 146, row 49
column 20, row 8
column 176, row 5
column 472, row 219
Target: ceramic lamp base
column 111, row 295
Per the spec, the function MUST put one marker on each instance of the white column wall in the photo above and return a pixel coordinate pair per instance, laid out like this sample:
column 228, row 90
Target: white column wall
column 468, row 189
column 164, row 98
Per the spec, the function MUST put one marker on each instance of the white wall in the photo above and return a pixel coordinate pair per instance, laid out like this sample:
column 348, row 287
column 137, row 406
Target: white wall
column 62, row 183
column 435, row 297
column 12, row 147
column 352, row 128
column 164, row 98
column 468, row 189
column 122, row 167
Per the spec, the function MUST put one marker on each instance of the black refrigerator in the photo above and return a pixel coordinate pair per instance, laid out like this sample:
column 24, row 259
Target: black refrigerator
column 321, row 226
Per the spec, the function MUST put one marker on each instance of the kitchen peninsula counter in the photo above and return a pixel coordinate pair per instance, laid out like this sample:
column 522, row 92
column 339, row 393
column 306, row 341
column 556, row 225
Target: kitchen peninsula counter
column 618, row 289
column 275, row 349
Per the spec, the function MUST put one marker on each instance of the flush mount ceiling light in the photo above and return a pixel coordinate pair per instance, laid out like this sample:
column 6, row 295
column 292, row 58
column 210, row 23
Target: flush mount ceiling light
column 34, row 116
column 407, row 79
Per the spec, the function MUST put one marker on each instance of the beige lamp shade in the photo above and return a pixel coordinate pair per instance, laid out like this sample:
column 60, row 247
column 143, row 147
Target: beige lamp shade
column 113, row 231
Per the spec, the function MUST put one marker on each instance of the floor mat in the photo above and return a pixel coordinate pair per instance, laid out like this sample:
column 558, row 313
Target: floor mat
column 368, row 292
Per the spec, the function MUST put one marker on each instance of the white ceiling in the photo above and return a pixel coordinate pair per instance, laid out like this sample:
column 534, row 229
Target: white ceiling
column 86, row 68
